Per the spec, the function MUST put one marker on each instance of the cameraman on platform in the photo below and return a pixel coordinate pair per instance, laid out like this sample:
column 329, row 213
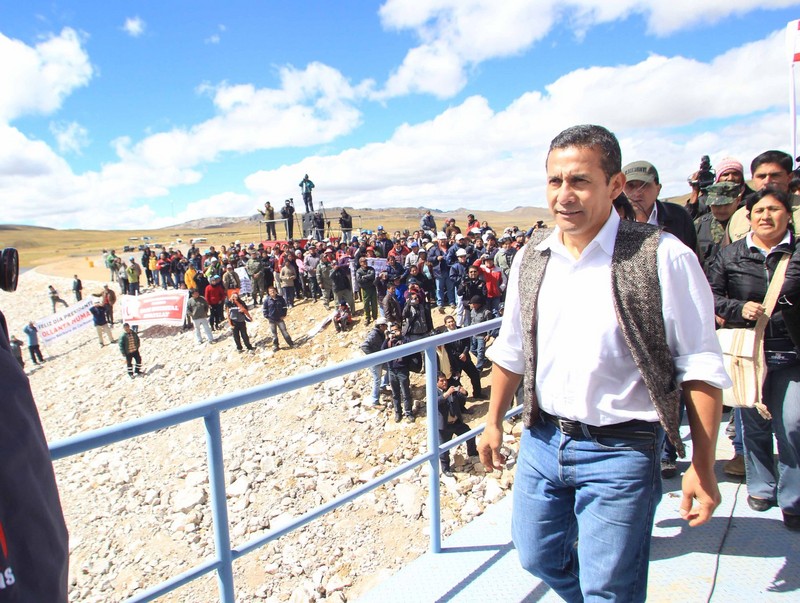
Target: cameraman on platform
column 34, row 552
column 287, row 213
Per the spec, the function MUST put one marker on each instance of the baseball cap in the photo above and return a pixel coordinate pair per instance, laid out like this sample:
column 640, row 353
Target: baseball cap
column 459, row 236
column 642, row 171
column 441, row 236
column 476, row 299
column 380, row 321
column 723, row 193
column 461, row 252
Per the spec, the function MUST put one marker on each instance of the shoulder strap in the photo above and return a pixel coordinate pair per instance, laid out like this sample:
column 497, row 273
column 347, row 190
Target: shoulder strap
column 773, row 291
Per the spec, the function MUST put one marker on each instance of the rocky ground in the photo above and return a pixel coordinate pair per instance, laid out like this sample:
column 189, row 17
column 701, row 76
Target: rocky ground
column 138, row 511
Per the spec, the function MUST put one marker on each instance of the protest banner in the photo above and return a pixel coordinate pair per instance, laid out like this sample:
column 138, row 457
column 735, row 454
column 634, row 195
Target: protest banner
column 69, row 320
column 161, row 308
column 246, row 285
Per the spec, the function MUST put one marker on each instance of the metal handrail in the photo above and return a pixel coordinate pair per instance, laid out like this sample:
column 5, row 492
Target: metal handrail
column 210, row 410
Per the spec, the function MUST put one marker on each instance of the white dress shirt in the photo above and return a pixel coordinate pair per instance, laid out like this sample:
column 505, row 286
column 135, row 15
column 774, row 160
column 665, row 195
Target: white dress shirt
column 585, row 370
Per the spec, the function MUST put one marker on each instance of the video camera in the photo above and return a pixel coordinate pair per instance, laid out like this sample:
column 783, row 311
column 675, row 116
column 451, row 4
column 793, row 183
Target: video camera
column 705, row 175
column 9, row 269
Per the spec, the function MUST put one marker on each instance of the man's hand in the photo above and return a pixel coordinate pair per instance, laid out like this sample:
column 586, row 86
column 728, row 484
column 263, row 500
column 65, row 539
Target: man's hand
column 489, row 448
column 704, row 491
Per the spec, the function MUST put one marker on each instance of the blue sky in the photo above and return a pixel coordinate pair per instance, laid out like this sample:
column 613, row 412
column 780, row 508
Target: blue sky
column 130, row 115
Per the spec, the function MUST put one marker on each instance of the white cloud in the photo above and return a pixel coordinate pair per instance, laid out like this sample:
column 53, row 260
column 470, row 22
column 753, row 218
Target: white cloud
column 70, row 137
column 215, row 37
column 36, row 79
column 312, row 106
column 457, row 34
column 134, row 26
column 469, row 155
column 472, row 156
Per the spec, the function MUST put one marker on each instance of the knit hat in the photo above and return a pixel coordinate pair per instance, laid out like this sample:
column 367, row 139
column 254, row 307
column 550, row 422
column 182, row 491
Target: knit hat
column 729, row 164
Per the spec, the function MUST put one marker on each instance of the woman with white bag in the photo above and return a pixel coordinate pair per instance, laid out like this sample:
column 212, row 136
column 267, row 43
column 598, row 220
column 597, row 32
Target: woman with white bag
column 740, row 278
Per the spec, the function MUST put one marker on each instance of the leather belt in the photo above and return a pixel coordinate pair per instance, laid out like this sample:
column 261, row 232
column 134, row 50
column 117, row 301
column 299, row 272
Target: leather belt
column 635, row 429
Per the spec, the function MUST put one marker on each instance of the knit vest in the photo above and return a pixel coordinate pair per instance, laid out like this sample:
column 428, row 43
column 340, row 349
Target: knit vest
column 638, row 306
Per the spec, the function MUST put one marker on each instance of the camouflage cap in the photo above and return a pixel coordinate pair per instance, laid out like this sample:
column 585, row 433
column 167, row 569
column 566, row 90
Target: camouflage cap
column 723, row 193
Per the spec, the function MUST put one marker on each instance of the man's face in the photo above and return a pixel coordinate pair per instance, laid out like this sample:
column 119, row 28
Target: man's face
column 642, row 196
column 441, row 383
column 473, row 273
column 771, row 174
column 450, row 323
column 578, row 194
column 732, row 176
column 723, row 213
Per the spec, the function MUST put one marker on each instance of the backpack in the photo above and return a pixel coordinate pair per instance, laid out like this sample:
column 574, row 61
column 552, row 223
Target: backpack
column 415, row 362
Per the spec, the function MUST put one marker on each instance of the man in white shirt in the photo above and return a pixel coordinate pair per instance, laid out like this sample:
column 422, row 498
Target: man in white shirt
column 588, row 479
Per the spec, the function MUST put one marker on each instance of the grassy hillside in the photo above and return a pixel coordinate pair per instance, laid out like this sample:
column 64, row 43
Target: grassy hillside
column 38, row 246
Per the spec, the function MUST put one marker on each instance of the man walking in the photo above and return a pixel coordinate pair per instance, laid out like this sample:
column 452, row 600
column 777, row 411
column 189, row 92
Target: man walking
column 77, row 288
column 100, row 321
column 198, row 309
column 33, row 342
column 606, row 320
column 129, row 345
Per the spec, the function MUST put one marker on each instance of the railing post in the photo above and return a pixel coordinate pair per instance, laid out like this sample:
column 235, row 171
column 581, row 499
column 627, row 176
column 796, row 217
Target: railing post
column 219, row 507
column 431, row 395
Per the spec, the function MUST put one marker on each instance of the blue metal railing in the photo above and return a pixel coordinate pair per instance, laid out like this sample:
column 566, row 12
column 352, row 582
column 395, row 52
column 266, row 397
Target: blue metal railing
column 210, row 410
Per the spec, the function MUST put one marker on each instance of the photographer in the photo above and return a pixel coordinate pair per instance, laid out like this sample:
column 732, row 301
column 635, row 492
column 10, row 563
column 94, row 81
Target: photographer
column 34, row 552
column 346, row 225
column 287, row 213
column 306, row 186
column 728, row 170
column 449, row 401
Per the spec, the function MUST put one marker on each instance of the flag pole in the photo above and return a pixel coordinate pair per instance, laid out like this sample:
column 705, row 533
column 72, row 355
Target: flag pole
column 793, row 48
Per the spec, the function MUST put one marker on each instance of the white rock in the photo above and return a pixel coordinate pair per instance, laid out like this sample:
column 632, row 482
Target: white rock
column 494, row 491
column 187, row 498
column 409, row 499
column 239, row 487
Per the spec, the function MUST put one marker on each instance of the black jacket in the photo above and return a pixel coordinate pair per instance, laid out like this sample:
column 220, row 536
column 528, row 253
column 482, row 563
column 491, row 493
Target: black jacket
column 676, row 220
column 374, row 341
column 34, row 551
column 365, row 277
column 741, row 274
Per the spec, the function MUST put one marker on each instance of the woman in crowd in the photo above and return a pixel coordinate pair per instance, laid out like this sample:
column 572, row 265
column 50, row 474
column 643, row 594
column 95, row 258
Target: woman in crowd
column 287, row 277
column 238, row 317
column 739, row 279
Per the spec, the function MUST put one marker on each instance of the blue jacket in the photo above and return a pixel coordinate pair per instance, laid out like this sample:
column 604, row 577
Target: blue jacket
column 275, row 309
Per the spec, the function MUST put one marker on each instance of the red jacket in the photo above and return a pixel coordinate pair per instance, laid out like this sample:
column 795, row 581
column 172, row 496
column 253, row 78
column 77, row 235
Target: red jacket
column 493, row 278
column 215, row 294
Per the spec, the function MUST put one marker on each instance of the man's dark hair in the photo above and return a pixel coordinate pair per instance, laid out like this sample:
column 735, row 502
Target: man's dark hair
column 782, row 159
column 440, row 375
column 596, row 137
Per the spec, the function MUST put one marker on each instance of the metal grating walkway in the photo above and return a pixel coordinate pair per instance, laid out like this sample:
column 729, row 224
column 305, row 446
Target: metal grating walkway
column 740, row 555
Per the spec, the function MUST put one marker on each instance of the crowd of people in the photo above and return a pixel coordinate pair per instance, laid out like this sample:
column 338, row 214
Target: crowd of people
column 738, row 234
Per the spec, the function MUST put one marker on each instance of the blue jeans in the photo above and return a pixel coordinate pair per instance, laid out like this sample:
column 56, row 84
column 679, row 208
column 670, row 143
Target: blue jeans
column 441, row 290
column 738, row 440
column 583, row 511
column 376, row 371
column 478, row 347
column 781, row 394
